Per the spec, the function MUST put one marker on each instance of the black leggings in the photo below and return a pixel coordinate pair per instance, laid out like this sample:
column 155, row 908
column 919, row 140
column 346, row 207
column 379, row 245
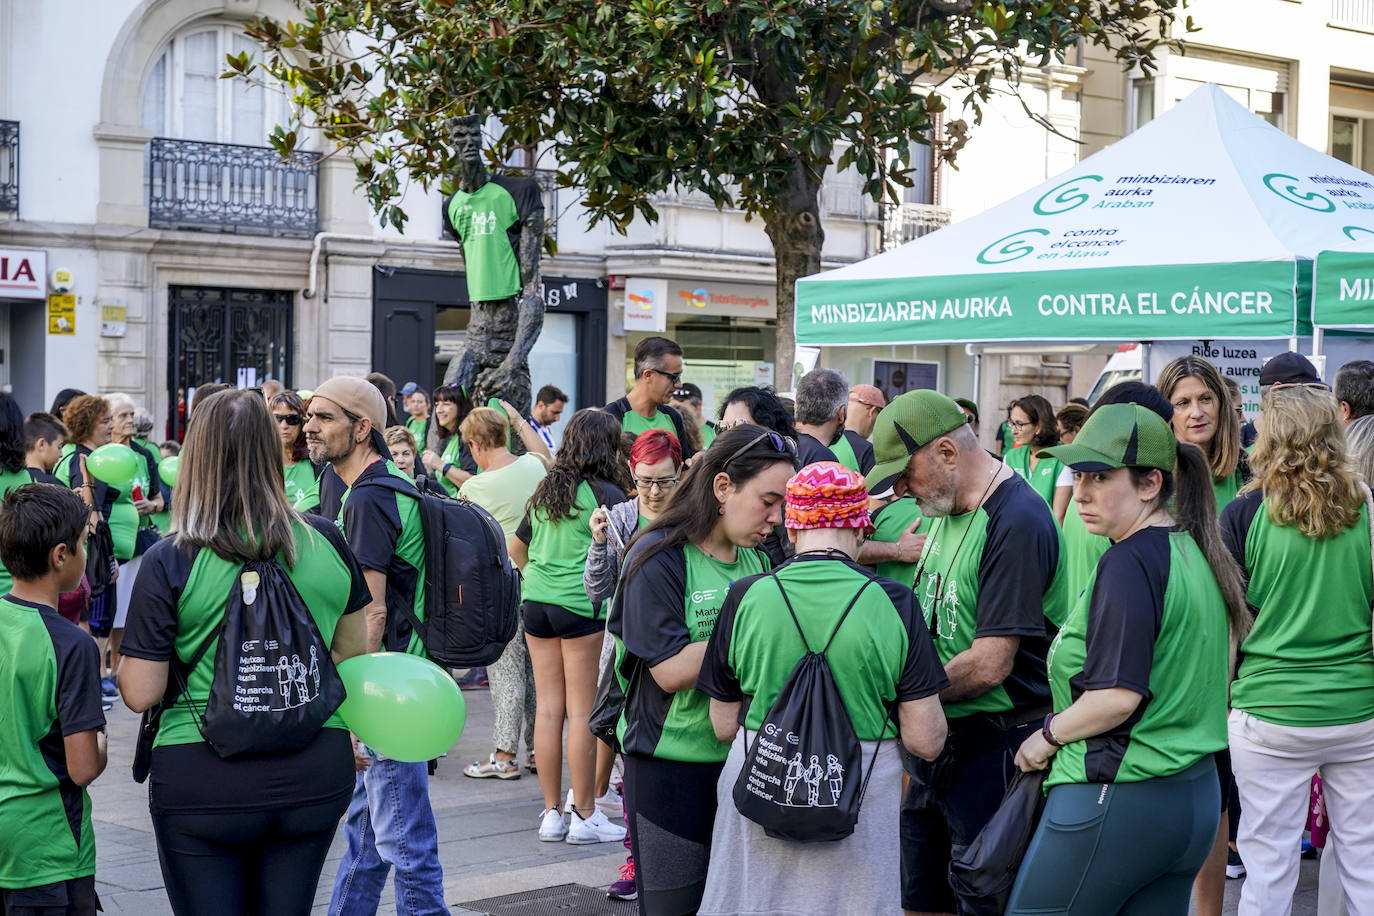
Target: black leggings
column 257, row 862
column 674, row 808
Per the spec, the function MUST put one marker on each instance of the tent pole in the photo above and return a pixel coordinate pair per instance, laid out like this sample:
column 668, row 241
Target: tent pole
column 977, row 374
column 1317, row 334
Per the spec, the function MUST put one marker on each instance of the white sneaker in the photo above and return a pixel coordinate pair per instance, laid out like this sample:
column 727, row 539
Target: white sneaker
column 595, row 829
column 612, row 804
column 551, row 826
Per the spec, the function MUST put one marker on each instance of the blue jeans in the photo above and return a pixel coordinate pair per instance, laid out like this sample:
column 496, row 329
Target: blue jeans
column 390, row 823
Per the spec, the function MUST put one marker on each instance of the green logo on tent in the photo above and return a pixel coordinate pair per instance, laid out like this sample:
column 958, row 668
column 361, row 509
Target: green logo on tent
column 1351, row 232
column 1012, row 247
column 1065, row 195
column 1288, row 190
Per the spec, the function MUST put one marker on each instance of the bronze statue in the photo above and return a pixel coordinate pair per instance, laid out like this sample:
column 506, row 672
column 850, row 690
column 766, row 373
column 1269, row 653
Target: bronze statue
column 499, row 222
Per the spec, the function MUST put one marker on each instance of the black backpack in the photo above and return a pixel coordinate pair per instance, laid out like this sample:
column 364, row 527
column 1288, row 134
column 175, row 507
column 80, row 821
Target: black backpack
column 472, row 590
column 797, row 779
column 983, row 872
column 274, row 684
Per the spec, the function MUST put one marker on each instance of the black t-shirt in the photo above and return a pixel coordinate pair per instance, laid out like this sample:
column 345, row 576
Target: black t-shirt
column 863, row 451
column 44, row 477
column 332, row 489
column 810, row 450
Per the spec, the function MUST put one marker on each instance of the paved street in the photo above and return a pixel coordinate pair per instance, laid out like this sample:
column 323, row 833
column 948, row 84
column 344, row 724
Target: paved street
column 487, row 839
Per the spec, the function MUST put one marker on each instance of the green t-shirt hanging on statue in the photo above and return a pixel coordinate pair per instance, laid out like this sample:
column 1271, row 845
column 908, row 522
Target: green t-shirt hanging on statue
column 487, row 224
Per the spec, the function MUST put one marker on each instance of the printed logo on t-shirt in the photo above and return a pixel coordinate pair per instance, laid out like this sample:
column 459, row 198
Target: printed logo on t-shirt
column 945, row 602
column 483, row 223
column 703, row 607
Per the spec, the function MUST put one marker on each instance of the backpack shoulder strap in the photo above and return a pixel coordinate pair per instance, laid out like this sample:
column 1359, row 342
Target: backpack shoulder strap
column 795, row 622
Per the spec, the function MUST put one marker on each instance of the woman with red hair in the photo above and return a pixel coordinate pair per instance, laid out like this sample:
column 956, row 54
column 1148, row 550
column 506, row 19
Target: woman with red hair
column 655, row 465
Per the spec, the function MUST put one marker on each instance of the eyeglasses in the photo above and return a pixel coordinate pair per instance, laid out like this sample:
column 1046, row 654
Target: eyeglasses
column 674, row 376
column 662, row 484
column 290, row 419
column 781, row 444
column 1016, row 424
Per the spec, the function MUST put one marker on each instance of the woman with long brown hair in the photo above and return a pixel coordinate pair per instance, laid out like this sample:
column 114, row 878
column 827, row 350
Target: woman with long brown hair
column 1203, row 416
column 1303, row 698
column 247, row 834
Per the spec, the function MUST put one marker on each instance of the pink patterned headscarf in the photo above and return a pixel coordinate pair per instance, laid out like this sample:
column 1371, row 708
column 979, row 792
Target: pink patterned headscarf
column 827, row 495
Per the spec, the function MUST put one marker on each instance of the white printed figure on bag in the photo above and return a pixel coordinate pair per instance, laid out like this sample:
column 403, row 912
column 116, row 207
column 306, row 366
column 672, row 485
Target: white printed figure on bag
column 292, row 677
column 794, row 775
column 834, row 772
column 813, row 782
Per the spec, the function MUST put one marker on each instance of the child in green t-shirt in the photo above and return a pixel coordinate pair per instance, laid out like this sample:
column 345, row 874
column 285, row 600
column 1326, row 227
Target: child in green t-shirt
column 53, row 740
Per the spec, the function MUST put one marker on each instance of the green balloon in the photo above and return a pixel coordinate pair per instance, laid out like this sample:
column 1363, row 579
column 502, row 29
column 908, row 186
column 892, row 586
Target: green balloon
column 305, row 394
column 402, row 706
column 167, row 469
column 113, row 463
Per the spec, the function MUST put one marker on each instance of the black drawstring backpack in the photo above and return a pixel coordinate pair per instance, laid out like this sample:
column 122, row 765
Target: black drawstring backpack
column 983, row 872
column 274, row 684
column 799, row 780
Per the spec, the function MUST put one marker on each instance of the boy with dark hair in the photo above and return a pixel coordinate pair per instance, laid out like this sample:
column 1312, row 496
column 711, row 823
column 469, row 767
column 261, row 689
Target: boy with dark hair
column 53, row 739
column 43, row 438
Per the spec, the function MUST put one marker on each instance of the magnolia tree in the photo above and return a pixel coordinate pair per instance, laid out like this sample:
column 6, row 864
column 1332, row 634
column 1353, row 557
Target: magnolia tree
column 746, row 101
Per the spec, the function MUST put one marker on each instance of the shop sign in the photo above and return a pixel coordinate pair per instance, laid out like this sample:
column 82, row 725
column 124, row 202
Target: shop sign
column 23, row 273
column 62, row 314
column 732, row 300
column 646, row 305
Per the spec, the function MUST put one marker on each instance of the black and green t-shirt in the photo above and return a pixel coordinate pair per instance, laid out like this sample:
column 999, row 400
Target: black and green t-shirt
column 487, row 224
column 302, row 486
column 996, row 571
column 1308, row 658
column 854, row 452
column 1082, row 550
column 385, row 533
column 881, row 654
column 671, row 601
column 50, row 681
column 180, row 595
column 419, row 428
column 1152, row 621
column 1043, row 478
column 891, row 522
column 558, row 550
column 455, row 452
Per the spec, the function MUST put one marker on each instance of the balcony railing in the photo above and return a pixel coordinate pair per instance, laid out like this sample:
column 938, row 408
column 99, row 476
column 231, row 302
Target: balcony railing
column 226, row 187
column 904, row 222
column 1355, row 14
column 9, row 166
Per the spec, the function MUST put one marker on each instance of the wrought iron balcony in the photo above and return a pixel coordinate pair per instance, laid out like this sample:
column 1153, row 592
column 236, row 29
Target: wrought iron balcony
column 226, row 187
column 904, row 222
column 9, row 166
column 1354, row 14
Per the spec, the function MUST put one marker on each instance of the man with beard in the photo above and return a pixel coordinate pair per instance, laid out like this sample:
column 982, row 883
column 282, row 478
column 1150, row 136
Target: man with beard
column 390, row 821
column 990, row 587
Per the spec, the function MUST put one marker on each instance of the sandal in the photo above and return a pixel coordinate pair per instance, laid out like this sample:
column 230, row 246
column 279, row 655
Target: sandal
column 529, row 764
column 500, row 769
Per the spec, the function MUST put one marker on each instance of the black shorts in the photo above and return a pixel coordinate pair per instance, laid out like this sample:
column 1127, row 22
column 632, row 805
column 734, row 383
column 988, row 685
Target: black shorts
column 949, row 805
column 75, row 897
column 549, row 621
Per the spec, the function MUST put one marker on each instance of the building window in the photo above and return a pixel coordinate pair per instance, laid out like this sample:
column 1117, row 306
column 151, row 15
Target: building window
column 1345, row 139
column 1142, row 103
column 184, row 97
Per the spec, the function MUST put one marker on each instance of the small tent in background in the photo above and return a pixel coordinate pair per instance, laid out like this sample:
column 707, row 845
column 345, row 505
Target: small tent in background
column 1202, row 224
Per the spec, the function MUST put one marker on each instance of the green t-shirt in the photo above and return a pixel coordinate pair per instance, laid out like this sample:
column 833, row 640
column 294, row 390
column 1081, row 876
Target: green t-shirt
column 708, row 435
column 9, row 481
column 1151, row 621
column 1225, row 490
column 487, row 224
column 302, row 486
column 891, row 522
column 558, row 551
column 844, row 453
column 1308, row 660
column 452, row 454
column 417, row 425
column 115, row 503
column 1043, row 479
column 1082, row 550
column 636, row 423
column 505, row 491
column 386, row 534
column 179, row 598
column 670, row 602
column 881, row 654
column 996, row 571
column 1008, row 436
column 50, row 682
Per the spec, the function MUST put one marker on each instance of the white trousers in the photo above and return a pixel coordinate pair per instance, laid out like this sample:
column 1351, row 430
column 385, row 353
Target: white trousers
column 1274, row 765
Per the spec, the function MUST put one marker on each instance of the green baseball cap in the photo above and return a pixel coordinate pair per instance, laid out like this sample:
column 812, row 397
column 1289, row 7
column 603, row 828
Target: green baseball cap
column 1119, row 436
column 910, row 422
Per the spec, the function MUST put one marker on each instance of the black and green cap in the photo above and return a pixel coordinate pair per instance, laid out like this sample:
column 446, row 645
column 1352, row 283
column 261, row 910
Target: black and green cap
column 1119, row 436
column 910, row 422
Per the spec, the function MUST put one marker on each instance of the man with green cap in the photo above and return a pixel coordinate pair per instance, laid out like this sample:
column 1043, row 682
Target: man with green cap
column 991, row 594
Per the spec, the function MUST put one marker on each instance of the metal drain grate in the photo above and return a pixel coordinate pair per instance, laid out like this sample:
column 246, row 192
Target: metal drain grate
column 561, row 900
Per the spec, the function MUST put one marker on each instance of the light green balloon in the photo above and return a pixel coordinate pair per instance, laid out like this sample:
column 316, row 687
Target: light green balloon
column 402, row 706
column 167, row 469
column 305, row 394
column 113, row 463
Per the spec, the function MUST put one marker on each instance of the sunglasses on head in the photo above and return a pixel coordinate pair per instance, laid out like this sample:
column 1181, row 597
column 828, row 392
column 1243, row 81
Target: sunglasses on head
column 290, row 419
column 781, row 444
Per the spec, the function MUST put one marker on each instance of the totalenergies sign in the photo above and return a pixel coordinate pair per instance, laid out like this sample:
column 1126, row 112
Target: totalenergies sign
column 646, row 304
column 23, row 273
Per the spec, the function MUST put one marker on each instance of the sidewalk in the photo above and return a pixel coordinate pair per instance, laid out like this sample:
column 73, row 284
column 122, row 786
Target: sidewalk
column 487, row 835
